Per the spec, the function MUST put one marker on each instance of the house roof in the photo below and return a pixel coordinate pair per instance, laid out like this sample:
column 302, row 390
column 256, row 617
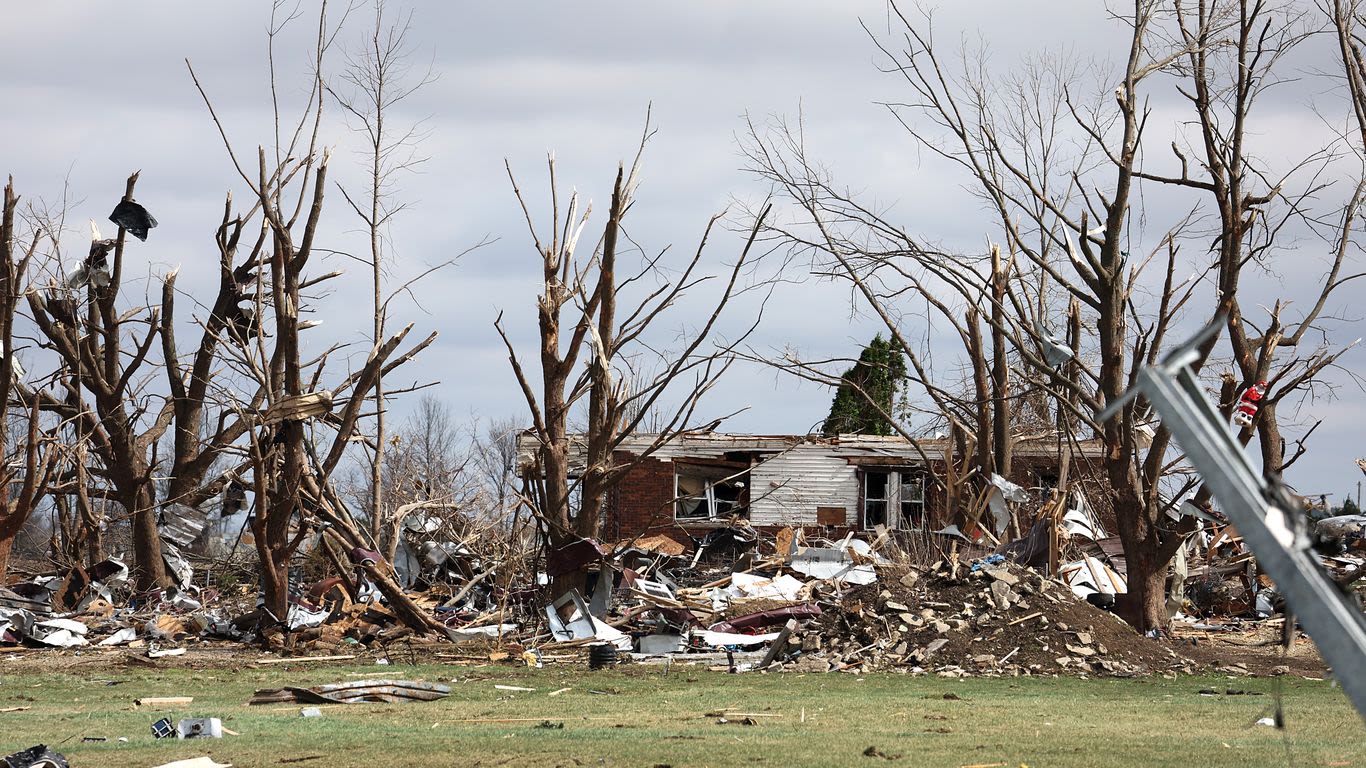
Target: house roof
column 704, row 445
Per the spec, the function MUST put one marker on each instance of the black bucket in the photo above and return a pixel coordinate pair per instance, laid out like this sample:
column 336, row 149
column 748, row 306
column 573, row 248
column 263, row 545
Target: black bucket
column 602, row 656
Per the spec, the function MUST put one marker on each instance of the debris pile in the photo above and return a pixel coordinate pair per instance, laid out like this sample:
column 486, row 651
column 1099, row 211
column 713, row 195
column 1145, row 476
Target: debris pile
column 34, row 757
column 735, row 598
column 843, row 606
column 97, row 606
column 1223, row 580
column 988, row 619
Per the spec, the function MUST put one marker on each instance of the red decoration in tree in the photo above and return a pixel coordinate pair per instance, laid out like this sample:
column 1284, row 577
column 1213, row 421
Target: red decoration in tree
column 1247, row 404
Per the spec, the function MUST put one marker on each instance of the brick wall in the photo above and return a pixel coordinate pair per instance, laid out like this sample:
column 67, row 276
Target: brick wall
column 641, row 502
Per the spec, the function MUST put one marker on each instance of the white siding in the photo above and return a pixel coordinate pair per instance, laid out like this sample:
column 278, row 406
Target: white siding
column 786, row 489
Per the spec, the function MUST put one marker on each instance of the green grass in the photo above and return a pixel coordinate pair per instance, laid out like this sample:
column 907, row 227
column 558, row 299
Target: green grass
column 644, row 718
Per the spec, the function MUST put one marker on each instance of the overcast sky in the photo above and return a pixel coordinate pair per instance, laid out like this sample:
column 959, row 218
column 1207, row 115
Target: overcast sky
column 95, row 90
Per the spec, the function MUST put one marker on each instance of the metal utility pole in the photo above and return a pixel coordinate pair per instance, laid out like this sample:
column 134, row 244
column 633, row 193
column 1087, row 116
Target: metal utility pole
column 1264, row 512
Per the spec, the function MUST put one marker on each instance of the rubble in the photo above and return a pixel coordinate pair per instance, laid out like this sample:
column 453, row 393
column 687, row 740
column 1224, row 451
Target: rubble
column 851, row 561
column 34, row 757
column 1006, row 620
column 735, row 598
column 188, row 728
column 1344, row 533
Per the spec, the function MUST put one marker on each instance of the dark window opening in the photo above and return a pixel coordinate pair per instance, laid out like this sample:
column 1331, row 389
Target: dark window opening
column 875, row 499
column 709, row 493
column 894, row 498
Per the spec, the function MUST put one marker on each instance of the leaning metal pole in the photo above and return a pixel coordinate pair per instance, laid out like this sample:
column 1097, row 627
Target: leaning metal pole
column 1263, row 512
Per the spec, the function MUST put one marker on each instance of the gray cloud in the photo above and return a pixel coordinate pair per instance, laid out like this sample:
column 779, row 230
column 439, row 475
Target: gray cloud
column 104, row 91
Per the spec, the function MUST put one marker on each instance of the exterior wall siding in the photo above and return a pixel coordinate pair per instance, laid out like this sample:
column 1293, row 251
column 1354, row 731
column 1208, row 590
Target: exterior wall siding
column 787, row 489
column 793, row 477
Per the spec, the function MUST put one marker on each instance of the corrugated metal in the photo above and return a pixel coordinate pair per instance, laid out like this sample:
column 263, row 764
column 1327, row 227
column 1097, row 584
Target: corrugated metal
column 181, row 525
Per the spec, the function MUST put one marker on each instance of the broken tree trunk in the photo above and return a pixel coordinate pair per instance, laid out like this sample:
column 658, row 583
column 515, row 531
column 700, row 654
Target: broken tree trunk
column 341, row 530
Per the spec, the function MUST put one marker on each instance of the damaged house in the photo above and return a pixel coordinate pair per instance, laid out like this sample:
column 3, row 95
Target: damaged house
column 829, row 485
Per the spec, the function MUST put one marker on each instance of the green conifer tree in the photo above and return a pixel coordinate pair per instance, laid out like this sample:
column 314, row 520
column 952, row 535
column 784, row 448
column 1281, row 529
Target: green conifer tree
column 876, row 377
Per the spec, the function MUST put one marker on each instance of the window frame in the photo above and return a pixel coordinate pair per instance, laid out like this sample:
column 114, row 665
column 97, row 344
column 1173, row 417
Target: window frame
column 884, row 499
column 712, row 477
column 895, row 514
column 917, row 520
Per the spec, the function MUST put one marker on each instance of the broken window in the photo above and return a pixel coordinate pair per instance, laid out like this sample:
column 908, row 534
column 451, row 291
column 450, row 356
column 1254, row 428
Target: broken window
column 912, row 499
column 894, row 498
column 708, row 493
column 875, row 486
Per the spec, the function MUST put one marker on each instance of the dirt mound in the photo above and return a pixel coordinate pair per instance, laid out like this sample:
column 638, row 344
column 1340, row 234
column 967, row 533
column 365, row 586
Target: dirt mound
column 1000, row 619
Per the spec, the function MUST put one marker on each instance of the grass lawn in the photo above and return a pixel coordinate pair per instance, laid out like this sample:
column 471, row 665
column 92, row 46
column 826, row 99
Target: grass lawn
column 642, row 717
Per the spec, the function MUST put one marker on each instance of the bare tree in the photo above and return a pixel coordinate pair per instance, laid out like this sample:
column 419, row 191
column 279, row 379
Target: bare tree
column 116, row 435
column 30, row 461
column 103, row 351
column 429, row 471
column 376, row 81
column 889, row 269
column 1059, row 174
column 297, row 444
column 496, row 454
column 605, row 335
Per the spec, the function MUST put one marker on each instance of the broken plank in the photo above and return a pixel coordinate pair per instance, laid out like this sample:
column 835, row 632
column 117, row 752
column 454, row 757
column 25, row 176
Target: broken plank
column 163, row 701
column 779, row 643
